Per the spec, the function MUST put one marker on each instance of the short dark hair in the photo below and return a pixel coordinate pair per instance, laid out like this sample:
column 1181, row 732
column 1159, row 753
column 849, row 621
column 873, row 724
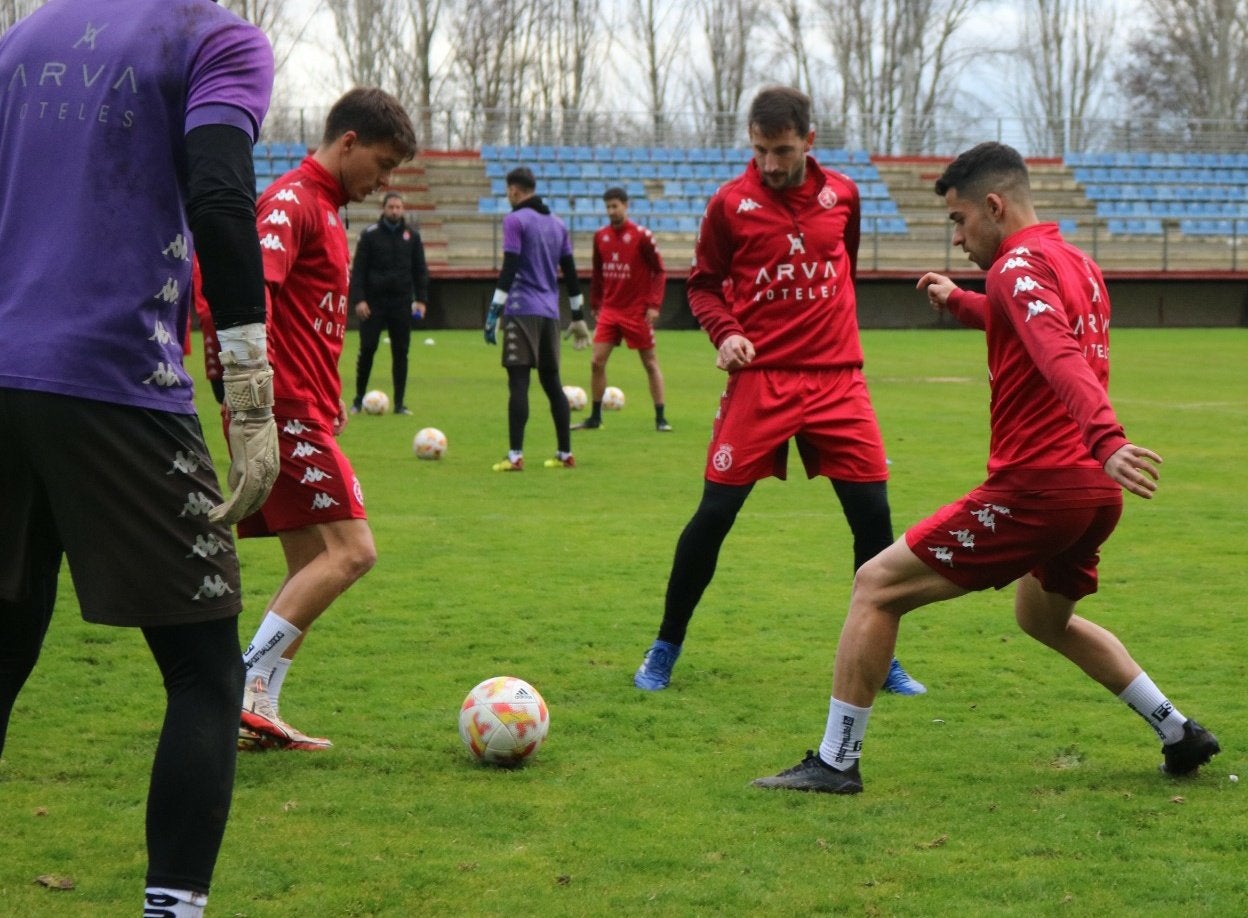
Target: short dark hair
column 375, row 116
column 615, row 193
column 385, row 198
column 777, row 108
column 522, row 177
column 985, row 168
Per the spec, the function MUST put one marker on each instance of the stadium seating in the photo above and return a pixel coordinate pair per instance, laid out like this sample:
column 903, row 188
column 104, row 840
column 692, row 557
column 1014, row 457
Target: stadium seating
column 1205, row 193
column 669, row 186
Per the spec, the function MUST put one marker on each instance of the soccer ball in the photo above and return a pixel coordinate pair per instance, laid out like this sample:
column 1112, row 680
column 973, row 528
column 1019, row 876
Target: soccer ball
column 613, row 399
column 430, row 443
column 576, row 397
column 503, row 721
column 376, row 402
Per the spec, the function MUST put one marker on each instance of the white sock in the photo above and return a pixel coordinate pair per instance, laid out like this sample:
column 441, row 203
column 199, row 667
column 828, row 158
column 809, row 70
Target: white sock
column 562, row 456
column 159, row 902
column 842, row 738
column 514, row 456
column 273, row 637
column 1145, row 699
column 280, row 669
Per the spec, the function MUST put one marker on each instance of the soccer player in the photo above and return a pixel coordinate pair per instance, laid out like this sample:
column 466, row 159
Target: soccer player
column 535, row 246
column 783, row 238
column 626, row 295
column 317, row 506
column 1058, row 461
column 389, row 288
column 142, row 117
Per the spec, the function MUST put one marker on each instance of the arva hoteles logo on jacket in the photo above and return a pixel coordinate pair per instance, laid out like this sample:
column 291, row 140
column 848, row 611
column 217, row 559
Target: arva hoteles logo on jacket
column 797, row 279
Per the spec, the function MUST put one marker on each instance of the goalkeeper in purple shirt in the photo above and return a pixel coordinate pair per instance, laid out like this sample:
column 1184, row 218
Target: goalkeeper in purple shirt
column 142, row 115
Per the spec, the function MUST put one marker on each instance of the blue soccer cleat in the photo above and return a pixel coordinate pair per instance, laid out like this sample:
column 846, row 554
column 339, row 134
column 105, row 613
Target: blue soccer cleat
column 900, row 682
column 655, row 671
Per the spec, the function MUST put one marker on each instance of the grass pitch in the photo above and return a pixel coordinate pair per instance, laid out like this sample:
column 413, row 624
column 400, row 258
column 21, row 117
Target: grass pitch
column 1015, row 787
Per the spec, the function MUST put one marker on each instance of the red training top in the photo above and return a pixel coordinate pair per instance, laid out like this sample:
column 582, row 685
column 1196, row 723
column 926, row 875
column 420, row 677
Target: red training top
column 629, row 276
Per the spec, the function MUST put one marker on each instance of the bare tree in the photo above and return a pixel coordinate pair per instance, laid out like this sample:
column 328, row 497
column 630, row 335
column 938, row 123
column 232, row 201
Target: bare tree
column 728, row 27
column 566, row 33
column 495, row 46
column 658, row 28
column 894, row 60
column 1189, row 66
column 371, row 43
column 424, row 16
column 13, row 10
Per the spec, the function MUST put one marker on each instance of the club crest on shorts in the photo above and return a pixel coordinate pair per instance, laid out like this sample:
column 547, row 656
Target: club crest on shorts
column 827, row 197
column 722, row 460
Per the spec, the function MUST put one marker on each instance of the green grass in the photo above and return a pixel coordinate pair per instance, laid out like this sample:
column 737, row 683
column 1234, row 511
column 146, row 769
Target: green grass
column 1015, row 787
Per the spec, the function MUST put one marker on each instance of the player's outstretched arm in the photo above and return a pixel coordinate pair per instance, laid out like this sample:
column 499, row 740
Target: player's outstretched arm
column 1135, row 468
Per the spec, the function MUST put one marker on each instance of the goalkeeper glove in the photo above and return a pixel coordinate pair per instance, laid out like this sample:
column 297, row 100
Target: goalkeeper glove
column 578, row 331
column 254, row 458
column 492, row 316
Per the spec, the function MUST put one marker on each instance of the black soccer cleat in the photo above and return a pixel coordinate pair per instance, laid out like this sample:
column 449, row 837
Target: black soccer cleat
column 813, row 774
column 590, row 423
column 1196, row 748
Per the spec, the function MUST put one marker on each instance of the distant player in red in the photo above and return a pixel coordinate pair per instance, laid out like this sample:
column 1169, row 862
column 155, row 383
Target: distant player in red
column 1057, row 464
column 773, row 286
column 316, row 507
column 626, row 295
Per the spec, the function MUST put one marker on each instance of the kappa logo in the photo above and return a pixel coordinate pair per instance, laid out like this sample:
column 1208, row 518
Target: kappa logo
column 331, row 218
column 208, row 547
column 1012, row 263
column 323, row 501
column 161, row 334
column 277, row 218
column 169, row 292
column 827, row 197
column 303, row 449
column 295, row 427
column 89, row 36
column 1035, row 308
column 186, row 463
column 287, row 194
column 212, row 588
column 1025, row 284
column 197, row 504
column 987, row 515
column 178, row 248
column 943, row 554
column 722, row 460
column 164, row 375
column 965, row 538
column 272, row 243
column 747, row 205
column 311, row 475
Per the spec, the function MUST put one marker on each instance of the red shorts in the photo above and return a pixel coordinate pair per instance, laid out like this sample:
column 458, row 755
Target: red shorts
column 614, row 327
column 828, row 411
column 315, row 484
column 984, row 541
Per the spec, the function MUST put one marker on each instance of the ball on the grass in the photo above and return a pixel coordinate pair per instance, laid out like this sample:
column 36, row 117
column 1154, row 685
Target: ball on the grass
column 429, row 341
column 375, row 402
column 577, row 399
column 503, row 721
column 429, row 443
column 613, row 398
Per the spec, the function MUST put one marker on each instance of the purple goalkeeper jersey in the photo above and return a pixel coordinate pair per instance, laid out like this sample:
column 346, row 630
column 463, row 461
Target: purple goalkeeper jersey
column 96, row 97
column 541, row 240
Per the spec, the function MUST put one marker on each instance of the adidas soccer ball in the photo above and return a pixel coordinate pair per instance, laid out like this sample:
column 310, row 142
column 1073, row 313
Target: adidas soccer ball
column 430, row 443
column 375, row 402
column 503, row 721
column 576, row 397
column 613, row 399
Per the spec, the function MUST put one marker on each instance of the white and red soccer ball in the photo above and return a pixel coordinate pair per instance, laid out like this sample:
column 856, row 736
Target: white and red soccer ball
column 429, row 443
column 375, row 402
column 613, row 399
column 577, row 399
column 503, row 721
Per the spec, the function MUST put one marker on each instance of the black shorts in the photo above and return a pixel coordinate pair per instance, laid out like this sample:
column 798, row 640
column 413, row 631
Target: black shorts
column 530, row 341
column 125, row 493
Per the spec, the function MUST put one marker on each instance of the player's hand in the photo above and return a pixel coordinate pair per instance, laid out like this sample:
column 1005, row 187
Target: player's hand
column 938, row 287
column 578, row 331
column 254, row 459
column 362, row 310
column 418, row 309
column 492, row 316
column 1135, row 468
column 652, row 316
column 340, row 422
column 735, row 352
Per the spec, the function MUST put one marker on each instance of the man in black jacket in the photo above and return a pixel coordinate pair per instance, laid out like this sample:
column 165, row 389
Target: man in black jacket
column 389, row 284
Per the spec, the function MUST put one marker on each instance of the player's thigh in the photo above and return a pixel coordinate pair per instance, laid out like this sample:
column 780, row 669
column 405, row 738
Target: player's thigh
column 897, row 580
column 128, row 491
